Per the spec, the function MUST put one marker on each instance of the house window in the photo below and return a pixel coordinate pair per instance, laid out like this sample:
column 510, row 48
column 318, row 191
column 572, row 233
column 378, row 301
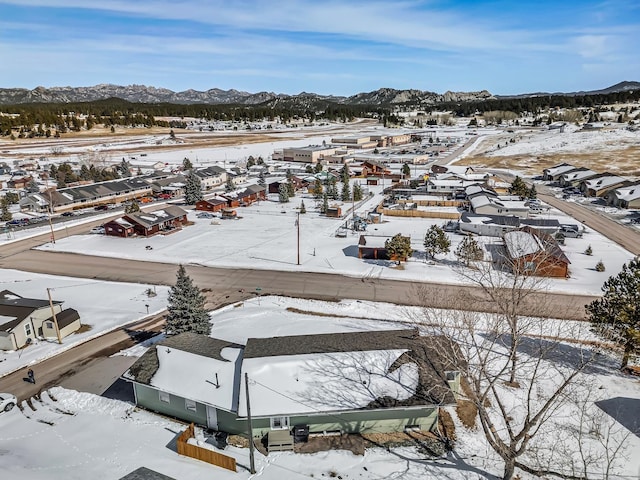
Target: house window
column 164, row 397
column 451, row 375
column 190, row 405
column 49, row 325
column 279, row 423
column 27, row 329
column 529, row 266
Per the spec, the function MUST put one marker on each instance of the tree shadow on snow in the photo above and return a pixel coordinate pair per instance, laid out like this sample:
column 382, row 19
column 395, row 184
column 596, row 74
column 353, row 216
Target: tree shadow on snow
column 564, row 354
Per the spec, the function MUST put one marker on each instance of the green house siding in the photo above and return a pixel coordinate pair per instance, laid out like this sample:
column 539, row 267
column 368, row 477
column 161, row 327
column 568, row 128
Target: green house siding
column 365, row 421
column 229, row 422
column 149, row 397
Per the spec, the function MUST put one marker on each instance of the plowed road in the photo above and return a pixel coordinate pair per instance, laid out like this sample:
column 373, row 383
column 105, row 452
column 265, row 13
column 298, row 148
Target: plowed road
column 87, row 368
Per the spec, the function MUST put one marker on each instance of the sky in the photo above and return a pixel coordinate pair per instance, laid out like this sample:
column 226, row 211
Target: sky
column 338, row 47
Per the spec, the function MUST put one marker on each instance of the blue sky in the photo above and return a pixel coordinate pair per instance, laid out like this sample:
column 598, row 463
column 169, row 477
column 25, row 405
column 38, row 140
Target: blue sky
column 328, row 47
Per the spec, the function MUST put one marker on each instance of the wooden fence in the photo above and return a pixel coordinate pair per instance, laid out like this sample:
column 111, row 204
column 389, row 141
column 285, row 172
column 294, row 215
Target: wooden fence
column 436, row 203
column 420, row 213
column 203, row 454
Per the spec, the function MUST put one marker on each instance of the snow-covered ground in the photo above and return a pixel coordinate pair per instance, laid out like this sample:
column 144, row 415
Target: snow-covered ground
column 572, row 140
column 77, row 435
column 266, row 238
column 103, row 306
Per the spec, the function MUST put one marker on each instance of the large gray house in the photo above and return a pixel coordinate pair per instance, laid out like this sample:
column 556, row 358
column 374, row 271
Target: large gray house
column 378, row 381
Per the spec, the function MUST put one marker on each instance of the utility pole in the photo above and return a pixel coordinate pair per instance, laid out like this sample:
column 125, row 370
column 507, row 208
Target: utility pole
column 298, row 224
column 50, row 209
column 53, row 314
column 252, row 465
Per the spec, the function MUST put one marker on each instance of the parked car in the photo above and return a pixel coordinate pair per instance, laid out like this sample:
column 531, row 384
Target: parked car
column 570, row 231
column 101, row 207
column 451, row 227
column 97, row 230
column 68, row 214
column 205, row 215
column 18, row 222
column 146, row 200
column 163, row 196
column 7, row 402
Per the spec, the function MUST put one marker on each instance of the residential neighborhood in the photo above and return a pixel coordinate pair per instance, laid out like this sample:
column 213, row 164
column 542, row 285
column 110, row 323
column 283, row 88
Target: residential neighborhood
column 301, row 242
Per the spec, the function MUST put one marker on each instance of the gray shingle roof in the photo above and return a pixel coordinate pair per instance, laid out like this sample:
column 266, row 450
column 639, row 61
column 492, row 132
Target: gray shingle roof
column 147, row 365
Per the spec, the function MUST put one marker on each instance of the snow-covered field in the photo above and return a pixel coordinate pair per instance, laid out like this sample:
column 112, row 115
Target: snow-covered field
column 103, row 306
column 572, row 140
column 266, row 238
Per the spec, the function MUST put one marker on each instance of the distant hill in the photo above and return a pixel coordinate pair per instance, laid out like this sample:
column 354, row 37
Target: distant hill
column 625, row 86
column 383, row 97
column 145, row 94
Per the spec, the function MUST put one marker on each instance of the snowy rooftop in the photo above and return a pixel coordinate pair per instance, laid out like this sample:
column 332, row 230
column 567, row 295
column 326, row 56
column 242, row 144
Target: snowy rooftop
column 201, row 383
column 521, row 243
column 306, row 384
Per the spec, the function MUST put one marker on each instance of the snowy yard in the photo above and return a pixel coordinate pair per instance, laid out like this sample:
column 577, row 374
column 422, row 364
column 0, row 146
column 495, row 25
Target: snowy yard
column 266, row 238
column 78, row 435
column 103, row 306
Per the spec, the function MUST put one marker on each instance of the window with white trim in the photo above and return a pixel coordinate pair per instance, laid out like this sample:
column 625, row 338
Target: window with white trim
column 279, row 423
column 27, row 329
column 164, row 397
column 189, row 405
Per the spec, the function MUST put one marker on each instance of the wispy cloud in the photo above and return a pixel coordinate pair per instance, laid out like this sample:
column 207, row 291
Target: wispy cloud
column 330, row 46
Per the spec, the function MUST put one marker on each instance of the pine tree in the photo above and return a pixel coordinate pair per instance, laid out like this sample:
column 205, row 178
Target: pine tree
column 398, row 248
column 533, row 193
column 616, row 315
column 406, row 170
column 325, row 203
column 283, row 192
column 346, row 192
column 303, row 209
column 600, row 266
column 436, row 241
column 192, row 189
column 5, row 214
column 186, row 312
column 518, row 187
column 588, row 251
column 318, row 168
column 229, row 186
column 332, row 189
column 344, row 174
column 132, row 207
column 357, row 192
column 261, row 180
column 469, row 251
column 317, row 188
column 186, row 164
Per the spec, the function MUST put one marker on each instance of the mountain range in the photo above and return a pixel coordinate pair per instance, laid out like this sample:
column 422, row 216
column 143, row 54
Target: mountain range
column 148, row 94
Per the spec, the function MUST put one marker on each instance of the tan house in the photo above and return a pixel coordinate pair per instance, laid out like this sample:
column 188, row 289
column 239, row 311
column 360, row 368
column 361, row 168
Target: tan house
column 23, row 320
column 309, row 154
